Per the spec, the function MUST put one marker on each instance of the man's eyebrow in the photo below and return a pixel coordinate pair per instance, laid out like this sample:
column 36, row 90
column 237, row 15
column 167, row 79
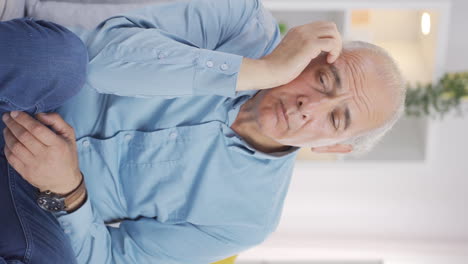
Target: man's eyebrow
column 336, row 76
column 347, row 118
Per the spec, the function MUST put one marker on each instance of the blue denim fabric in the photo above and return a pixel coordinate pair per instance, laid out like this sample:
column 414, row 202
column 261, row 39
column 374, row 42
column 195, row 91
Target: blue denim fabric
column 41, row 66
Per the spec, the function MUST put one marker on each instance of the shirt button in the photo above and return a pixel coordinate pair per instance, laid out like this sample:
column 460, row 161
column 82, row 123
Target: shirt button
column 86, row 143
column 209, row 64
column 64, row 223
column 128, row 137
column 224, row 67
column 173, row 135
column 67, row 231
column 161, row 56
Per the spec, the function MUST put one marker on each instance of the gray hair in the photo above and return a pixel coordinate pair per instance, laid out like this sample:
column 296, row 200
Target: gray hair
column 394, row 80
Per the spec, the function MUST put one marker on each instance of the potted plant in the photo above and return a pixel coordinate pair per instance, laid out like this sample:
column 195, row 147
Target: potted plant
column 439, row 98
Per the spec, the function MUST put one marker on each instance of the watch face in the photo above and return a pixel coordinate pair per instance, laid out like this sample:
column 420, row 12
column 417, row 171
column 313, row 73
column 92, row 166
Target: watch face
column 51, row 204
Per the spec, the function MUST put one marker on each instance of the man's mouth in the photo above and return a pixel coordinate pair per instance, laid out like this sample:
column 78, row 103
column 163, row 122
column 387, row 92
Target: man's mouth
column 283, row 112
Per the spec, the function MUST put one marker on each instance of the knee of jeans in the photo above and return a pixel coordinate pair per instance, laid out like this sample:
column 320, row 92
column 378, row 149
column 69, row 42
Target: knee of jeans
column 40, row 59
column 71, row 63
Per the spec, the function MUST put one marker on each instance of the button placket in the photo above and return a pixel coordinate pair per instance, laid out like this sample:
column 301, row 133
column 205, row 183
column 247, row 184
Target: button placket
column 173, row 135
column 85, row 143
column 209, row 64
column 128, row 137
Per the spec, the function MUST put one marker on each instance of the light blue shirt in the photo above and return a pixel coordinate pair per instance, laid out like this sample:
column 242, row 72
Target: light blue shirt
column 154, row 139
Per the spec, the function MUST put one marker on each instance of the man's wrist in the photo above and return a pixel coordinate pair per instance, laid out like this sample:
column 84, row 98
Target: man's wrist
column 255, row 74
column 77, row 197
column 63, row 189
column 68, row 202
column 77, row 203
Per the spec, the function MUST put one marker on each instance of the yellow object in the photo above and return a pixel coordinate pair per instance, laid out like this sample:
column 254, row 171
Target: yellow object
column 360, row 17
column 227, row 261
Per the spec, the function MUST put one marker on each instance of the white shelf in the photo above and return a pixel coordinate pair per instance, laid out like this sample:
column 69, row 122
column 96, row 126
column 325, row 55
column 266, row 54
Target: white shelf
column 299, row 17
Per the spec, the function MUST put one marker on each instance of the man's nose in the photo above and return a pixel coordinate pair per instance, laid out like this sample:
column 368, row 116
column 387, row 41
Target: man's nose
column 310, row 107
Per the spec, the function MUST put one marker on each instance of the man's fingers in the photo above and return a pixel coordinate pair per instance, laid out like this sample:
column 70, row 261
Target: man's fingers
column 330, row 40
column 19, row 133
column 333, row 56
column 332, row 46
column 36, row 128
column 327, row 30
column 58, row 124
column 17, row 148
column 14, row 160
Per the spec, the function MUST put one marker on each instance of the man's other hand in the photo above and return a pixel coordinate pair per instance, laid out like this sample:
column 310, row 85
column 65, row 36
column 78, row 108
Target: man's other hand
column 46, row 159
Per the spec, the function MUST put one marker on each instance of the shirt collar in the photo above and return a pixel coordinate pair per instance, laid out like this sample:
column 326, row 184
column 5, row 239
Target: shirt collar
column 234, row 105
column 239, row 144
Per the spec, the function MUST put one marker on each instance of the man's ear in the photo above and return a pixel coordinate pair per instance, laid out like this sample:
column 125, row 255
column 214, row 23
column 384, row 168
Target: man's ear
column 337, row 148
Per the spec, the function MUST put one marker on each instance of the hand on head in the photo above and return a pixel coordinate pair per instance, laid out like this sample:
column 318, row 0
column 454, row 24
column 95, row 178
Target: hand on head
column 300, row 46
column 292, row 55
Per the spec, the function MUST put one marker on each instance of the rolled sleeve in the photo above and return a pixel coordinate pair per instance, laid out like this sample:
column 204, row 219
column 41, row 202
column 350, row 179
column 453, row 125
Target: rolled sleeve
column 178, row 49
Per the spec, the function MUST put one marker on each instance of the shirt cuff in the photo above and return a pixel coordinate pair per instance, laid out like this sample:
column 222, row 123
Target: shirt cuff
column 218, row 70
column 77, row 225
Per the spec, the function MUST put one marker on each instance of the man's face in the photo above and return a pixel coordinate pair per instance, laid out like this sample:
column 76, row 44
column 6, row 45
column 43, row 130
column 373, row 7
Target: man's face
column 326, row 104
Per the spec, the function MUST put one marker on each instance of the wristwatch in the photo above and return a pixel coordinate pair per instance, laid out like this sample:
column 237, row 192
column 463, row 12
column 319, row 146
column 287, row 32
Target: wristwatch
column 55, row 203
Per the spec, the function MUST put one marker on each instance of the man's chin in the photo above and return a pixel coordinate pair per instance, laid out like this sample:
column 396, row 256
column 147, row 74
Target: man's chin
column 286, row 143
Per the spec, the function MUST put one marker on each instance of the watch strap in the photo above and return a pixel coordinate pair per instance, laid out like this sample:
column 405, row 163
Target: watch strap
column 77, row 193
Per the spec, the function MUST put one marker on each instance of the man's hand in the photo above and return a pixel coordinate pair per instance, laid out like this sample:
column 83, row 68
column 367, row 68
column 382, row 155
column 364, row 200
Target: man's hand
column 292, row 55
column 46, row 159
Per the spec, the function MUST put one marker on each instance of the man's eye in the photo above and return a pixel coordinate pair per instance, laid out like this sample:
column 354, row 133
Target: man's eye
column 334, row 121
column 322, row 82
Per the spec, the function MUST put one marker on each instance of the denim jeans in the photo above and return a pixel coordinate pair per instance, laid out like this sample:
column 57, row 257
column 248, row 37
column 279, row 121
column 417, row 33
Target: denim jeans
column 42, row 65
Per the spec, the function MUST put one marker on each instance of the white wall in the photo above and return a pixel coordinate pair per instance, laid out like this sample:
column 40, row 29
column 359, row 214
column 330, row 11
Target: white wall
column 418, row 201
column 457, row 55
column 400, row 210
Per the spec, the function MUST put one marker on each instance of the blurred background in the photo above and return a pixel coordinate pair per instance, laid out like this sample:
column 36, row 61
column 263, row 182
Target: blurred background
column 406, row 201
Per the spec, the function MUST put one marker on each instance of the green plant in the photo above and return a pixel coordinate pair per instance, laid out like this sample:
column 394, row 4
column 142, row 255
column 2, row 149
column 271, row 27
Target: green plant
column 283, row 28
column 439, row 98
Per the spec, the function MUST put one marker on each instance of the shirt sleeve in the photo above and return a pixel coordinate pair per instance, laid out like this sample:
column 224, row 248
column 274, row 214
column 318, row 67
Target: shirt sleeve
column 146, row 240
column 181, row 48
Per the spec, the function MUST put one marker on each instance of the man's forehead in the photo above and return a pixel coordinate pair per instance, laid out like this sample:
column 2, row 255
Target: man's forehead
column 373, row 100
column 351, row 74
column 350, row 69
